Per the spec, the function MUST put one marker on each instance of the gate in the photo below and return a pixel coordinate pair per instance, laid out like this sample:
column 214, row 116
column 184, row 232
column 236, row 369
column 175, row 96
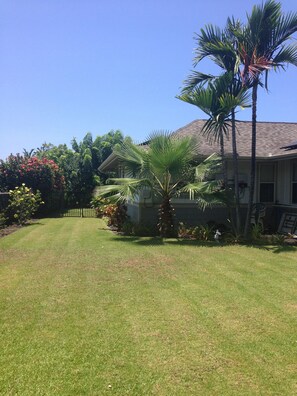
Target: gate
column 78, row 212
column 77, row 205
column 67, row 204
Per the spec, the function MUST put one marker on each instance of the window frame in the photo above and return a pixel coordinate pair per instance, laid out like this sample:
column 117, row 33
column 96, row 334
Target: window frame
column 261, row 183
column 292, row 181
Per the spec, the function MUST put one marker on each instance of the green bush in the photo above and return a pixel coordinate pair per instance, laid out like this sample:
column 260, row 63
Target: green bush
column 116, row 215
column 184, row 232
column 256, row 232
column 99, row 204
column 203, row 233
column 128, row 228
column 23, row 203
column 3, row 220
column 278, row 239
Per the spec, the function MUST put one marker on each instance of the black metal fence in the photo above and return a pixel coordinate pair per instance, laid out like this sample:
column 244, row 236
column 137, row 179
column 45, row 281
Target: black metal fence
column 78, row 212
column 4, row 198
column 59, row 204
column 67, row 204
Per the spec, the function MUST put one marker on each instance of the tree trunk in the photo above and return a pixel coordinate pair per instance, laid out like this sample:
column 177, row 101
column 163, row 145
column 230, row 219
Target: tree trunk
column 222, row 149
column 166, row 219
column 235, row 170
column 225, row 177
column 253, row 159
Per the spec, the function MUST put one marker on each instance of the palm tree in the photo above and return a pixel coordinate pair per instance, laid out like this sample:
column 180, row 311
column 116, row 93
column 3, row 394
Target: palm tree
column 219, row 101
column 262, row 47
column 28, row 153
column 220, row 46
column 163, row 167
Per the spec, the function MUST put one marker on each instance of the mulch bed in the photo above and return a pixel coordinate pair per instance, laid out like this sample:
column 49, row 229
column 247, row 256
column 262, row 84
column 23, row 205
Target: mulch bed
column 9, row 230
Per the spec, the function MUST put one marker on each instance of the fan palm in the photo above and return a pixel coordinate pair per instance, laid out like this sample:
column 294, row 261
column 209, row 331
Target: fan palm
column 163, row 167
column 262, row 46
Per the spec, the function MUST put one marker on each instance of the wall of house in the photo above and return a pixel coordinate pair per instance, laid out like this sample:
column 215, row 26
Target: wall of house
column 187, row 213
column 143, row 210
column 243, row 177
column 283, row 182
column 133, row 211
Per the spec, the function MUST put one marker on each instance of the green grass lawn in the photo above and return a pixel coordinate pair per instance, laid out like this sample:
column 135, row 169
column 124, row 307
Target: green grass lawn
column 86, row 312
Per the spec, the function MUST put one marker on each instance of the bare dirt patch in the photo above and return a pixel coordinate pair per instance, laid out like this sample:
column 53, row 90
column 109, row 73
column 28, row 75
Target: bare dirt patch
column 9, row 230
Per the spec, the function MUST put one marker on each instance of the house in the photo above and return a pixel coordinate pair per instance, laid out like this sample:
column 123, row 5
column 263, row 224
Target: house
column 276, row 174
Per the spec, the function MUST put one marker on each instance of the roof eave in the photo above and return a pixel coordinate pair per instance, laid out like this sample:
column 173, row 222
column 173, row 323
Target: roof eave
column 107, row 164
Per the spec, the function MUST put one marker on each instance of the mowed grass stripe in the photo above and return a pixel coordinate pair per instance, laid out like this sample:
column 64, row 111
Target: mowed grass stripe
column 85, row 312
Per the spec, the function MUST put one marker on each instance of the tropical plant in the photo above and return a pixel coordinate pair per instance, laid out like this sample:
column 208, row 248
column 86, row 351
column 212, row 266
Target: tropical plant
column 39, row 174
column 262, row 46
column 161, row 167
column 23, row 203
column 3, row 220
column 80, row 163
column 203, row 232
column 218, row 100
column 225, row 92
column 116, row 215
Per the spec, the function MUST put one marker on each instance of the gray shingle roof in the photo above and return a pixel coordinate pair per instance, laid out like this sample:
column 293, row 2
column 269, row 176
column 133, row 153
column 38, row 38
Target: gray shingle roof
column 271, row 136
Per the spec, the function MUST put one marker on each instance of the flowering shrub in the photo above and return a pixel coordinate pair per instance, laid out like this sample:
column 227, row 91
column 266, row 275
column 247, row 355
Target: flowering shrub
column 116, row 215
column 99, row 204
column 200, row 232
column 23, row 203
column 39, row 174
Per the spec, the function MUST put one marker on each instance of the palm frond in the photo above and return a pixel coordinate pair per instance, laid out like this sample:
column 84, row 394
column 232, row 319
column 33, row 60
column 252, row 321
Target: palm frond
column 206, row 194
column 196, row 78
column 122, row 189
column 216, row 126
column 211, row 200
column 167, row 154
column 286, row 55
column 284, row 28
column 131, row 156
column 209, row 167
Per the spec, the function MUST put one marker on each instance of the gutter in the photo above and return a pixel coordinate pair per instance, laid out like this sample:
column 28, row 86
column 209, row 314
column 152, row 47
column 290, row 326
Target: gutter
column 109, row 160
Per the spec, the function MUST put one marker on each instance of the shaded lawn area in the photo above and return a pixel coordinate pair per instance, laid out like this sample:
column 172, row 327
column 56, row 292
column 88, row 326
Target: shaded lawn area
column 86, row 312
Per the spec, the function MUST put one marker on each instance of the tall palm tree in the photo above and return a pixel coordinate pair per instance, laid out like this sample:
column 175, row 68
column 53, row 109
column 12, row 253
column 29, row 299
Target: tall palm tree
column 221, row 47
column 262, row 46
column 219, row 101
column 163, row 167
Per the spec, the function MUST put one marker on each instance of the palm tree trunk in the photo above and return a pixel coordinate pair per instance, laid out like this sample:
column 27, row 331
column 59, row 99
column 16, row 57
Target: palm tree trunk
column 222, row 149
column 225, row 176
column 235, row 170
column 166, row 219
column 253, row 159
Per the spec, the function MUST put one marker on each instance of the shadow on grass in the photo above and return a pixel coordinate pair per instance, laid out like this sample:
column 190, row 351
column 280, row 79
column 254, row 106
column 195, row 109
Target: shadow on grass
column 283, row 249
column 158, row 241
column 149, row 241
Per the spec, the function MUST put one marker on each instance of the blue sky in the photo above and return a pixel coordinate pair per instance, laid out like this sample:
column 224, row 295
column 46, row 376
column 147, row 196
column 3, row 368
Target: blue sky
column 72, row 66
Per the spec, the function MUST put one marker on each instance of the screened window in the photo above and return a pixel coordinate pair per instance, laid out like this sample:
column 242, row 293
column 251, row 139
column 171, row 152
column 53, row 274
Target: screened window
column 267, row 183
column 294, row 182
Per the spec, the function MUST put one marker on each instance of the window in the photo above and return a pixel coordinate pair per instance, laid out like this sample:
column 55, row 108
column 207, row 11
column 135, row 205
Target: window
column 267, row 182
column 294, row 182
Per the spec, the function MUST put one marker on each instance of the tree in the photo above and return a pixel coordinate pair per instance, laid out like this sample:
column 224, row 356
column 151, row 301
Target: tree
column 163, row 167
column 224, row 93
column 39, row 174
column 107, row 142
column 262, row 46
